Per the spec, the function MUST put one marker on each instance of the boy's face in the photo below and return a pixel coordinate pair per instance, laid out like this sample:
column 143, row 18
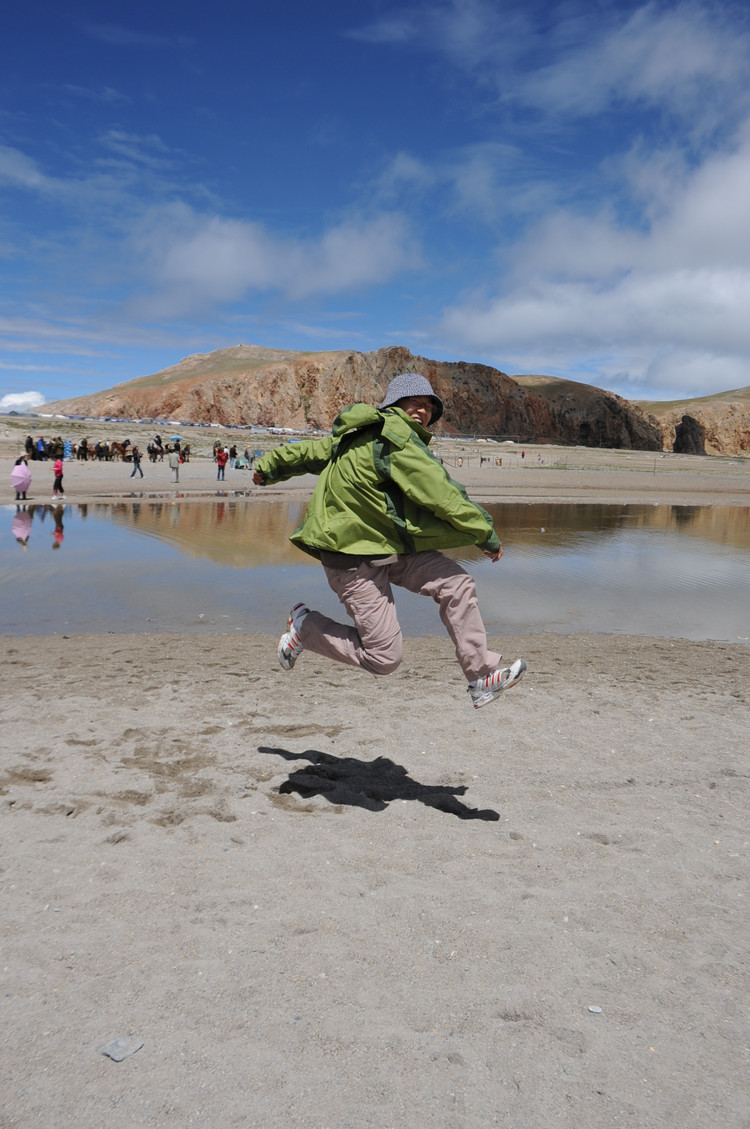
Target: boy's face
column 420, row 408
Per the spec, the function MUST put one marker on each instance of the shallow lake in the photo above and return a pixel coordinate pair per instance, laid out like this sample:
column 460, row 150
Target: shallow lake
column 226, row 565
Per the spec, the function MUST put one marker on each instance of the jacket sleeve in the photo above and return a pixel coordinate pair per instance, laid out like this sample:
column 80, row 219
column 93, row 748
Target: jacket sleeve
column 426, row 483
column 308, row 457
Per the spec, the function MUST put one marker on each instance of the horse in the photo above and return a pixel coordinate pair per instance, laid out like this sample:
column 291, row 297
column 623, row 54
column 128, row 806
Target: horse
column 119, row 450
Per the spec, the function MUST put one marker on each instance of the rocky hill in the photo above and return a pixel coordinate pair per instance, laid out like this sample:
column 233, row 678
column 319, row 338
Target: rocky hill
column 723, row 421
column 248, row 384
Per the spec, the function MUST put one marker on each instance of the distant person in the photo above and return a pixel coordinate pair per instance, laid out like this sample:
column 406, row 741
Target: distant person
column 59, row 532
column 136, row 463
column 174, row 465
column 20, row 477
column 232, row 456
column 222, row 457
column 57, row 488
column 21, row 526
column 382, row 509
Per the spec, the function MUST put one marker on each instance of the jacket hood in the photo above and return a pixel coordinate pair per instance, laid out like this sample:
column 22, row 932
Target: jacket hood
column 364, row 415
column 357, row 415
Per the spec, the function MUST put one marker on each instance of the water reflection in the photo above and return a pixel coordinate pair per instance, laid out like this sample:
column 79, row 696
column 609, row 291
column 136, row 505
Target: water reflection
column 240, row 533
column 248, row 533
column 22, row 523
column 674, row 571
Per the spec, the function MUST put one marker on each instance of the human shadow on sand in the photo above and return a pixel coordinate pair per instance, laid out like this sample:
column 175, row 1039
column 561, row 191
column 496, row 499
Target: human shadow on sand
column 368, row 784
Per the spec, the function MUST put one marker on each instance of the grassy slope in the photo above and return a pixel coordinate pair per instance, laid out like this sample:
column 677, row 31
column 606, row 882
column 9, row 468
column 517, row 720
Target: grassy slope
column 661, row 407
column 555, row 387
column 222, row 362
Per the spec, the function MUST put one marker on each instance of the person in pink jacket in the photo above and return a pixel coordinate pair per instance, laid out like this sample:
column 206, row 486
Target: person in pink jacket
column 57, row 470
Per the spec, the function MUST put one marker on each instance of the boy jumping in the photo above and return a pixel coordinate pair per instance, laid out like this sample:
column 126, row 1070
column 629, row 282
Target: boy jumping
column 382, row 509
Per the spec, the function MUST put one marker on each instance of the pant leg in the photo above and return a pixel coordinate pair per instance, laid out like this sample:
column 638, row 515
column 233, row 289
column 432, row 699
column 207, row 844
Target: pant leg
column 453, row 590
column 375, row 642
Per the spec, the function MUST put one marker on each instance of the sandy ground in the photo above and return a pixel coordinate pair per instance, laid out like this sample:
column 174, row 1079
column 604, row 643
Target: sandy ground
column 327, row 900
column 323, row 899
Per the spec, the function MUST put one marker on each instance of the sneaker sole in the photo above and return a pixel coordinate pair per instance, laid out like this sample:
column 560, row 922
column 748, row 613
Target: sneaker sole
column 286, row 660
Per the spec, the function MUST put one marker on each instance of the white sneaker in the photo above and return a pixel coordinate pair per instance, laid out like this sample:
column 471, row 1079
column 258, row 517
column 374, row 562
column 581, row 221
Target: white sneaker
column 486, row 689
column 290, row 645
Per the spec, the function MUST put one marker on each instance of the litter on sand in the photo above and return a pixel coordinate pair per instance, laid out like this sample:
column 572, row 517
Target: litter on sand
column 119, row 1049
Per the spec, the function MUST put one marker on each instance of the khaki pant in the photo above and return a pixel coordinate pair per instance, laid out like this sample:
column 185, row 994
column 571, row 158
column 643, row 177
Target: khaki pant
column 375, row 643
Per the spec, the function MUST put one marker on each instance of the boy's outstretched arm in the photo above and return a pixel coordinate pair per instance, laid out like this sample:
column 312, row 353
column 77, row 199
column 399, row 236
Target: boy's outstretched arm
column 308, row 457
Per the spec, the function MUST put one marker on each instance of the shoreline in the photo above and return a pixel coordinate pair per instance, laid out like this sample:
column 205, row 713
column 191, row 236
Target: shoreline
column 586, row 477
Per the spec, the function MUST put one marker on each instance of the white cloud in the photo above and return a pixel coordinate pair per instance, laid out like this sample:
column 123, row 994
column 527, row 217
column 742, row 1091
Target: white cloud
column 118, row 36
column 404, row 173
column 21, row 401
column 662, row 57
column 106, row 94
column 692, row 220
column 697, row 309
column 483, row 180
column 391, row 29
column 669, row 299
column 471, row 33
column 568, row 63
column 19, row 170
column 149, row 150
column 89, row 194
column 87, row 338
column 195, row 259
column 669, row 331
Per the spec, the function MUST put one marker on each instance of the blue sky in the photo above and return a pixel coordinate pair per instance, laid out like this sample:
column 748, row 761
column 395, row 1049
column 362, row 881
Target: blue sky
column 555, row 188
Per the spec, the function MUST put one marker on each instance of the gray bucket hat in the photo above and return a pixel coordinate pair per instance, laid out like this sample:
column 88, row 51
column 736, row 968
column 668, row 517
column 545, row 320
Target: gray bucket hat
column 412, row 384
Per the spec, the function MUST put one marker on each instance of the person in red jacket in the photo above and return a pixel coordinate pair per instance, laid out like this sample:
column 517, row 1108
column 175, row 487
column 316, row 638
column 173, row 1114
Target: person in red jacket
column 57, row 470
column 222, row 457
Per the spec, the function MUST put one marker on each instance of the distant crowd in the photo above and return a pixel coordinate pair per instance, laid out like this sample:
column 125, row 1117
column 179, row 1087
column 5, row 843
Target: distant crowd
column 102, row 450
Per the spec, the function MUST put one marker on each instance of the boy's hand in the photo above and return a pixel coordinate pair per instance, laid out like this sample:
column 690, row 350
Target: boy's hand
column 259, row 478
column 493, row 556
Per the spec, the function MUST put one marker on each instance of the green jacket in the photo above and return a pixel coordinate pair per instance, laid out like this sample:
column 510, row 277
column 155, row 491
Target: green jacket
column 380, row 490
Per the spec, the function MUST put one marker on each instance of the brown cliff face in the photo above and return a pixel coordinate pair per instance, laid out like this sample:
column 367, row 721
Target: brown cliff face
column 725, row 420
column 689, row 437
column 591, row 417
column 250, row 385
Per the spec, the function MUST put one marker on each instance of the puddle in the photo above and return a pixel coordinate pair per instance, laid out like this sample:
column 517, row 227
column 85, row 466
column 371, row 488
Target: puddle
column 227, row 566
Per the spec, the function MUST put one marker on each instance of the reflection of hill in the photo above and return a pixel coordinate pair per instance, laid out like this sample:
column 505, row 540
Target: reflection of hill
column 246, row 533
column 240, row 534
column 724, row 525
